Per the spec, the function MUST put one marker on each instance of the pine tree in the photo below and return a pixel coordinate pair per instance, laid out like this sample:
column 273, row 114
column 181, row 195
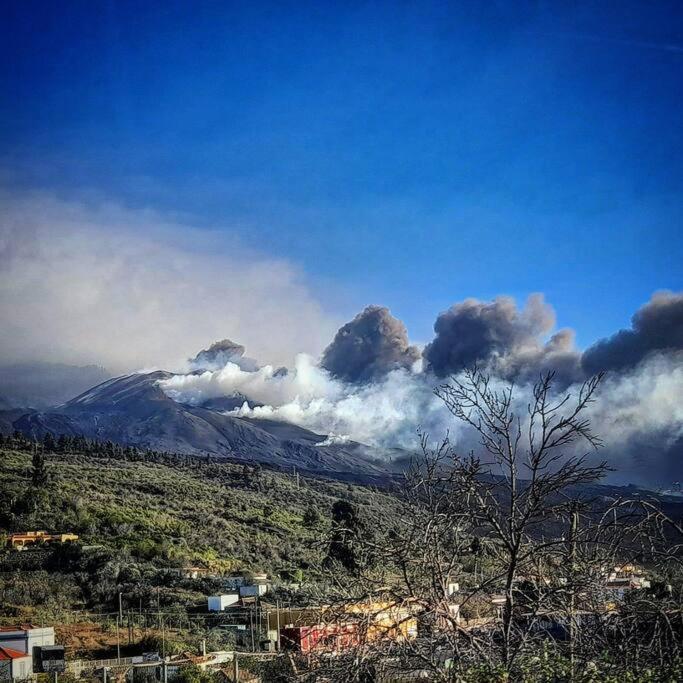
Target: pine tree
column 39, row 477
column 49, row 445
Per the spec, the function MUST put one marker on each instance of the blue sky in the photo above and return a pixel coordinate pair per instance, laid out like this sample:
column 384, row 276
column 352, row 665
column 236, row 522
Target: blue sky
column 408, row 154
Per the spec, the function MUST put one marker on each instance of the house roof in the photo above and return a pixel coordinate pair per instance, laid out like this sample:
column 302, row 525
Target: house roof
column 18, row 627
column 9, row 653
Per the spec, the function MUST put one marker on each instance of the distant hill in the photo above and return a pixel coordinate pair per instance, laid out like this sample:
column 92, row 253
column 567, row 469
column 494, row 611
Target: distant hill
column 133, row 410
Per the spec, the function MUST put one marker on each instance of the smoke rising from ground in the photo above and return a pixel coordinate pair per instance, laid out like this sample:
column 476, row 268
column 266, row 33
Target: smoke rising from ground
column 369, row 347
column 385, row 413
column 639, row 414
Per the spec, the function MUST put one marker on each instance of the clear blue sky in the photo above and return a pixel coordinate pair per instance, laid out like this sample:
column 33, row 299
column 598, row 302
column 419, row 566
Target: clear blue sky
column 410, row 154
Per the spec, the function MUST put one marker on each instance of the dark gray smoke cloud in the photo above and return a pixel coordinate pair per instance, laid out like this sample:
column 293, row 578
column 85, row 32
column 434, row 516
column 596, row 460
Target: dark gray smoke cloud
column 368, row 347
column 506, row 339
column 656, row 326
column 220, row 353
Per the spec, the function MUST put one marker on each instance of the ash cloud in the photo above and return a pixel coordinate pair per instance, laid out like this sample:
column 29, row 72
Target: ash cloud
column 504, row 338
column 638, row 414
column 219, row 354
column 369, row 347
column 656, row 326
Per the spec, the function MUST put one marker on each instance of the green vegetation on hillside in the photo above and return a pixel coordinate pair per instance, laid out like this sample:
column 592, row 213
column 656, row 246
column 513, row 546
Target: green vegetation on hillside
column 138, row 517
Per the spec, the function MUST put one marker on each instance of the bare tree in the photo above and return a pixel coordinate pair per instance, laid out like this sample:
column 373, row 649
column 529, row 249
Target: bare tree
column 516, row 516
column 525, row 465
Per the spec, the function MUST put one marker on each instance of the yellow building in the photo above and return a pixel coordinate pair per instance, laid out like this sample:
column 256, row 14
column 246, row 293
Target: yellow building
column 377, row 620
column 20, row 541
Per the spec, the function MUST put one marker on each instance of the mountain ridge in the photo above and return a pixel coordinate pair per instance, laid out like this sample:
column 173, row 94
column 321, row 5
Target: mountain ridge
column 133, row 410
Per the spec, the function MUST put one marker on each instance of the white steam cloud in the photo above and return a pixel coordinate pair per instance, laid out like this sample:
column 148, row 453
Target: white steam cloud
column 641, row 404
column 97, row 283
column 385, row 413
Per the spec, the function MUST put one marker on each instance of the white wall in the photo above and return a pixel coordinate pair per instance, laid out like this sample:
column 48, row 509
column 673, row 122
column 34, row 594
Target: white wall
column 22, row 668
column 217, row 603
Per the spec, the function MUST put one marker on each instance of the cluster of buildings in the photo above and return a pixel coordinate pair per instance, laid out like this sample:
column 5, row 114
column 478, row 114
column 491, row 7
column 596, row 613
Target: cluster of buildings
column 315, row 628
column 334, row 629
column 242, row 589
column 27, row 650
column 624, row 578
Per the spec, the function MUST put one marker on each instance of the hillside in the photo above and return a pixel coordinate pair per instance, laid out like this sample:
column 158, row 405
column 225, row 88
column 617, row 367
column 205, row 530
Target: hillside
column 133, row 410
column 138, row 519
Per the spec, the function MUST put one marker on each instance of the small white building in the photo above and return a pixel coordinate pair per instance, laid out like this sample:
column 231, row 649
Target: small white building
column 218, row 603
column 253, row 591
column 15, row 665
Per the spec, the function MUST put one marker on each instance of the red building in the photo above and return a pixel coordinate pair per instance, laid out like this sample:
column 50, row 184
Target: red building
column 320, row 637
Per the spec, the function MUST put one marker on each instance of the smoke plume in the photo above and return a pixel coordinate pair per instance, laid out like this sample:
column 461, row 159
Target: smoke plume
column 127, row 289
column 505, row 339
column 369, row 347
column 363, row 390
column 656, row 326
column 219, row 354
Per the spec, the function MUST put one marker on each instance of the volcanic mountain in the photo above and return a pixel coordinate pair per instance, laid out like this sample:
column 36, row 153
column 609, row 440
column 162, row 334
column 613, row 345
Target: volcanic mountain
column 134, row 410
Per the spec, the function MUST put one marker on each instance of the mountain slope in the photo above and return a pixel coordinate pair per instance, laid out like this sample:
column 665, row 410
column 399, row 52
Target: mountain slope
column 133, row 410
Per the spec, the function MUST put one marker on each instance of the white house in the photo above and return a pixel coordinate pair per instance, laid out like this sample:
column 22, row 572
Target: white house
column 255, row 590
column 15, row 665
column 218, row 603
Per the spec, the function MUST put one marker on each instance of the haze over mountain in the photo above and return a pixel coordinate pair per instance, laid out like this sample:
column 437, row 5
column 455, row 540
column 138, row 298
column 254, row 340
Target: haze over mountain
column 41, row 384
column 370, row 388
column 133, row 410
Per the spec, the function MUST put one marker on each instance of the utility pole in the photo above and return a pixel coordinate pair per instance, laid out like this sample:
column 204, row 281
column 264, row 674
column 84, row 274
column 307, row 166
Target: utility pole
column 120, row 607
column 573, row 530
column 251, row 628
column 235, row 667
column 277, row 612
column 163, row 639
column 118, row 641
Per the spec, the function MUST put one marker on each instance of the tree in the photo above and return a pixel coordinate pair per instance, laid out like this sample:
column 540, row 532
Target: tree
column 525, row 466
column 49, row 445
column 346, row 525
column 39, row 475
column 311, row 518
column 513, row 518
